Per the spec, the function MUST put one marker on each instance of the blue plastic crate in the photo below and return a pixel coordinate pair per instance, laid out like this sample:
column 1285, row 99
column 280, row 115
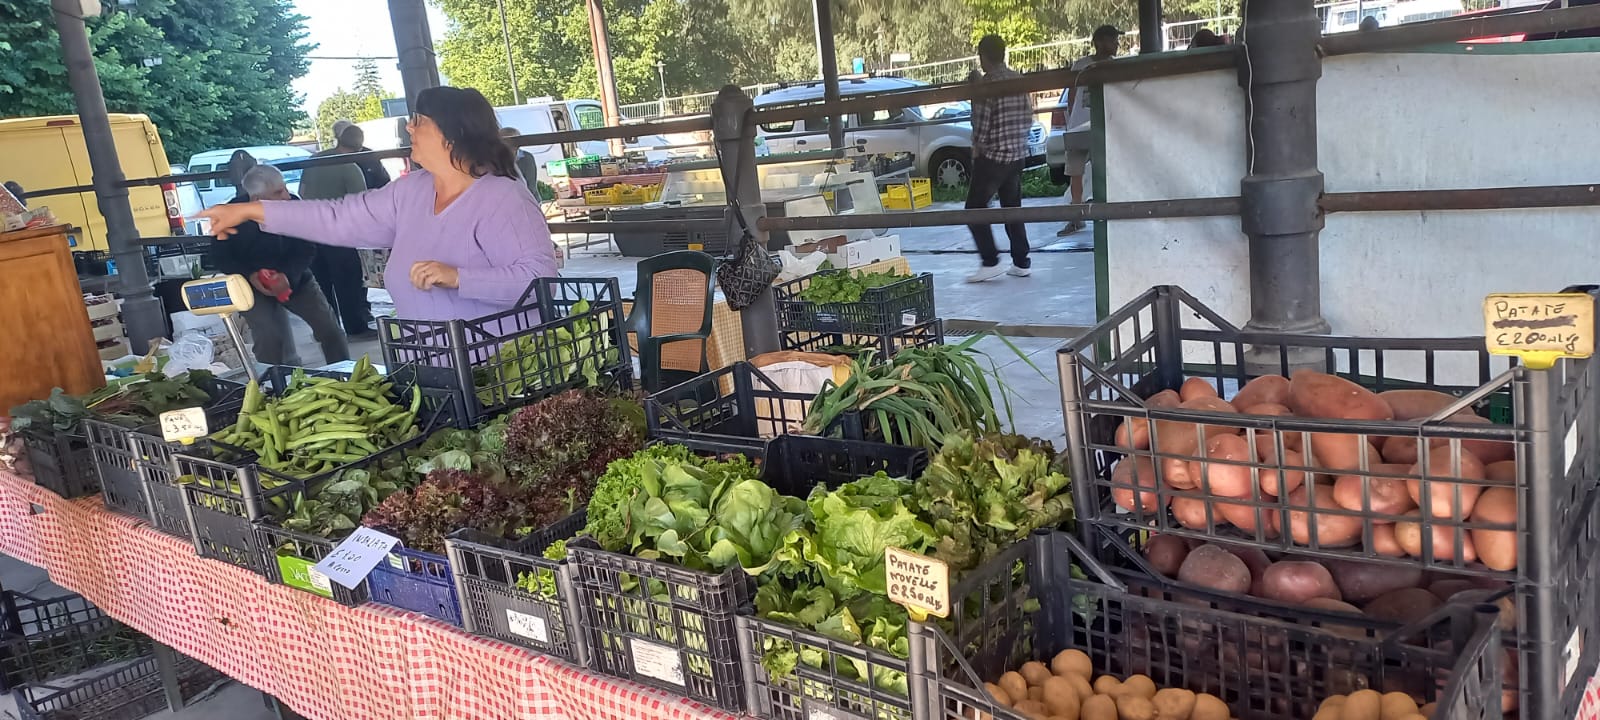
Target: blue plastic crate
column 417, row 581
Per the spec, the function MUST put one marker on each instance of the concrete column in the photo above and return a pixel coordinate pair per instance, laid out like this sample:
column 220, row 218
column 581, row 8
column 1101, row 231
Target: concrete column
column 736, row 145
column 1279, row 197
column 142, row 312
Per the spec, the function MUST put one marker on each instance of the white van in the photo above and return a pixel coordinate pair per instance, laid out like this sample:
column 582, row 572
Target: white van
column 221, row 190
column 1410, row 11
column 1347, row 16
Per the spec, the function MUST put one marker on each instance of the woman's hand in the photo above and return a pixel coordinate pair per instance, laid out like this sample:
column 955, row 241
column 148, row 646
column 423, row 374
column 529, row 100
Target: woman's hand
column 429, row 274
column 227, row 217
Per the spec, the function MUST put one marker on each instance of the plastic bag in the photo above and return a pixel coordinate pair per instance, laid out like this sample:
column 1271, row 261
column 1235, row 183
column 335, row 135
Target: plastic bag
column 191, row 351
column 795, row 268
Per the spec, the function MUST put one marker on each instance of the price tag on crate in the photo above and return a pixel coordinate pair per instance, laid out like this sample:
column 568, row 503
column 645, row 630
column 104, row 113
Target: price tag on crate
column 1539, row 329
column 185, row 426
column 921, row 584
column 353, row 559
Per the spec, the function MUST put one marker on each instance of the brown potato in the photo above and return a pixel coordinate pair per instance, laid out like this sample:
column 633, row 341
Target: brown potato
column 1315, row 394
column 1133, row 706
column 1427, row 710
column 1032, row 709
column 1388, row 496
column 1075, row 661
column 1098, row 707
column 1209, row 707
column 1215, row 473
column 1015, row 685
column 1446, row 498
column 1296, row 581
column 1449, row 542
column 1191, row 513
column 998, row 693
column 1361, row 582
column 1197, row 388
column 1335, row 712
column 1363, row 705
column 1403, row 605
column 1080, row 684
column 1035, row 673
column 1166, row 554
column 1135, row 471
column 1396, row 705
column 1273, row 389
column 1107, row 685
column 1384, row 542
column 1140, row 685
column 1497, row 549
column 1332, row 530
column 1332, row 701
column 1036, row 694
column 1416, row 404
column 1173, row 703
column 1212, row 566
column 1267, row 453
column 1060, row 697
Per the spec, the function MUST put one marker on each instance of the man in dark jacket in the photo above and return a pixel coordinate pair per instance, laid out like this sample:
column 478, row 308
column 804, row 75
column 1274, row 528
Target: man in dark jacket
column 279, row 268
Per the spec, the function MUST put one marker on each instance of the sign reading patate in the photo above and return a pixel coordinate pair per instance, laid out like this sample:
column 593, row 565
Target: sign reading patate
column 921, row 584
column 1539, row 328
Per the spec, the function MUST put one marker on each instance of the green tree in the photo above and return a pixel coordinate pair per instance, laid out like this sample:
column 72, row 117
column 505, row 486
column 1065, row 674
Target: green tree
column 368, row 83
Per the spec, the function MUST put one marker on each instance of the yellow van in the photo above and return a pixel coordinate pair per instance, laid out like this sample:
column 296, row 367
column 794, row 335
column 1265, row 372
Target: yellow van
column 43, row 153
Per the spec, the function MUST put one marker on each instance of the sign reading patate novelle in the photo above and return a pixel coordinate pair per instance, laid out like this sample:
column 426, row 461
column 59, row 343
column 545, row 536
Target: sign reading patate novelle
column 1539, row 328
column 921, row 584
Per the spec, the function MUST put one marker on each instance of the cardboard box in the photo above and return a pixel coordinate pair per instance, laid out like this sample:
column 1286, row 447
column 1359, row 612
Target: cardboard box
column 844, row 255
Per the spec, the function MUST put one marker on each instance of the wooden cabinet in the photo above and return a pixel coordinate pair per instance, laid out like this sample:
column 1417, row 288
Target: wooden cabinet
column 45, row 340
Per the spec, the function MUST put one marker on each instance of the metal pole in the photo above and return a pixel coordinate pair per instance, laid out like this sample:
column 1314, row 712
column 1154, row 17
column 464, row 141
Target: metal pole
column 828, row 57
column 1151, row 37
column 511, row 64
column 1280, row 213
column 601, row 40
column 141, row 311
column 414, row 44
column 736, row 143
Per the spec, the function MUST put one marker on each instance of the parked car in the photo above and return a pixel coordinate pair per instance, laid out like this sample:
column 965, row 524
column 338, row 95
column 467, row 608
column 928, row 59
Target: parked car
column 1055, row 146
column 943, row 150
column 221, row 190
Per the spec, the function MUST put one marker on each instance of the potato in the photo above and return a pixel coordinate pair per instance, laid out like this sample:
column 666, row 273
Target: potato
column 1427, row 710
column 1015, row 685
column 1032, row 709
column 1034, row 672
column 1291, row 440
column 1363, row 705
column 1036, row 694
column 1341, row 608
column 1166, row 554
column 1277, row 471
column 1134, row 432
column 1060, row 697
column 1504, row 471
column 1450, row 543
column 1140, row 685
column 1450, row 587
column 1361, row 582
column 1213, row 567
column 1315, row 394
column 1173, row 703
column 1332, row 701
column 1387, row 496
column 998, row 693
column 1398, row 449
column 1296, row 581
column 1216, row 476
column 1396, row 705
column 1256, row 560
column 1497, row 549
column 1265, row 389
column 1209, row 707
column 1511, row 680
column 1196, row 388
column 1384, row 542
column 1345, row 451
column 1416, row 404
column 1080, row 685
column 1403, row 605
column 1098, row 707
column 1244, row 517
column 1074, row 661
column 1107, row 685
column 1135, row 471
column 1132, row 706
column 1332, row 530
column 1191, row 513
column 1330, row 712
column 1447, row 498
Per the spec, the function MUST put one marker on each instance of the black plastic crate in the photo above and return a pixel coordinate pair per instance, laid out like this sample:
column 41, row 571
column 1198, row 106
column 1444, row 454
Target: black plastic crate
column 794, row 464
column 1165, row 335
column 61, row 462
column 46, row 638
column 468, row 357
column 735, row 409
column 492, row 577
column 290, row 558
column 1260, row 666
column 123, row 691
column 880, row 311
column 113, row 462
column 883, row 347
column 417, row 581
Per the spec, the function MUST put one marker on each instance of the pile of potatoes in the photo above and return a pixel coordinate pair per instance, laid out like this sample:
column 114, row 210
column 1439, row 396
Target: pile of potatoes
column 1372, row 705
column 1322, row 471
column 1063, row 690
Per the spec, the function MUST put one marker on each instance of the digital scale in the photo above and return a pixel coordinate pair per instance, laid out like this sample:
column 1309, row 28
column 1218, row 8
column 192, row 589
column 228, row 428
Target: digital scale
column 224, row 295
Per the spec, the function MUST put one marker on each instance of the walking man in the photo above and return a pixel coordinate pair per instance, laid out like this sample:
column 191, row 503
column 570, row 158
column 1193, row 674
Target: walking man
column 278, row 267
column 338, row 270
column 999, row 147
column 1076, row 134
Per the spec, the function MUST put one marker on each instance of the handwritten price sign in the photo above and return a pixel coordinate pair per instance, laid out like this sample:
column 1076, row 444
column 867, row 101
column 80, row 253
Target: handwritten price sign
column 921, row 584
column 1539, row 328
column 184, row 425
column 354, row 559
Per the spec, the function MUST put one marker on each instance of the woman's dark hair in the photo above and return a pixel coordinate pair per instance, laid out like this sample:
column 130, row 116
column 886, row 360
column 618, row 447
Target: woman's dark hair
column 467, row 122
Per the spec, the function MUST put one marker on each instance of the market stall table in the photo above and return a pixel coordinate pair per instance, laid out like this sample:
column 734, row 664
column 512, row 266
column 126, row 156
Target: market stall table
column 326, row 661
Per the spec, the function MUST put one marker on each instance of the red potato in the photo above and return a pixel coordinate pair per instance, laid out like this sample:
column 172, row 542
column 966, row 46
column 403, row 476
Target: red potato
column 1244, row 517
column 1504, row 471
column 1403, row 605
column 1191, row 513
column 1291, row 440
column 1361, row 582
column 1384, row 541
column 1296, row 581
column 1388, row 496
column 1497, row 549
column 1510, row 680
column 1403, row 449
column 1416, row 404
column 1214, row 567
column 1320, row 395
column 1135, row 471
column 1450, row 543
column 1272, row 389
column 1345, row 451
column 1256, row 560
column 1166, row 553
column 1216, row 475
column 1196, row 388
column 1269, row 478
column 1446, row 497
column 1332, row 530
column 1134, row 432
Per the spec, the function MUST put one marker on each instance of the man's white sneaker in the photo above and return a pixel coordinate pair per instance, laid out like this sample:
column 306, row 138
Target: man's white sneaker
column 1019, row 271
column 986, row 273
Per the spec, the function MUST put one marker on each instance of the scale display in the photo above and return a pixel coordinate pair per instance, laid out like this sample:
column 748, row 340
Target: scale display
column 219, row 295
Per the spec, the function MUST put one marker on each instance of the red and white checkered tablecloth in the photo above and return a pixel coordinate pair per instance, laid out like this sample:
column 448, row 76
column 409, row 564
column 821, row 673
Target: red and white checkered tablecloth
column 324, row 660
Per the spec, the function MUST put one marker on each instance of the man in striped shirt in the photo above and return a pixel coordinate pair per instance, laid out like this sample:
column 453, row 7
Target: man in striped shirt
column 1000, row 128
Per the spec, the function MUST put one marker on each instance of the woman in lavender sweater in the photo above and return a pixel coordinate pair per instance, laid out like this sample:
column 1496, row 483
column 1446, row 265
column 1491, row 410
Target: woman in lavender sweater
column 465, row 235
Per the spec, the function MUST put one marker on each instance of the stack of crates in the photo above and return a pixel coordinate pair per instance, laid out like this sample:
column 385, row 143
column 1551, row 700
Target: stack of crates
column 885, row 320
